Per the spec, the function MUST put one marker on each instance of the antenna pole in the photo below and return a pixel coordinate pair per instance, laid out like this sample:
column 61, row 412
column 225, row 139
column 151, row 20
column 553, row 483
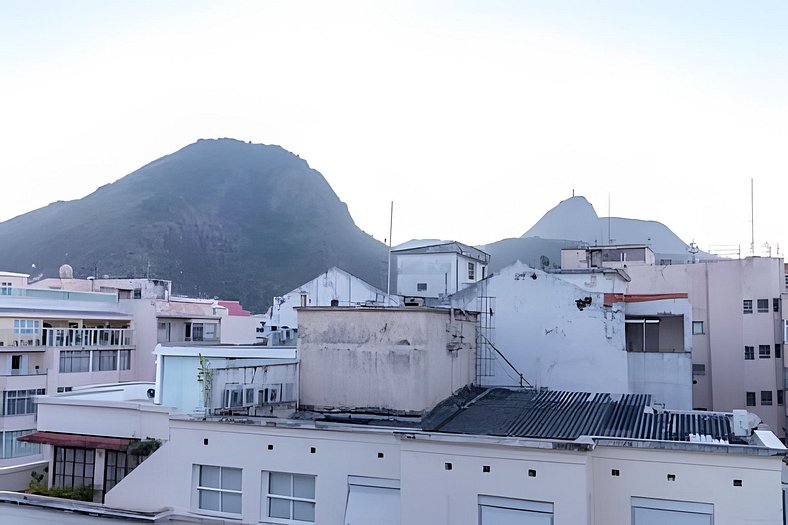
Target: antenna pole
column 752, row 217
column 388, row 276
column 609, row 240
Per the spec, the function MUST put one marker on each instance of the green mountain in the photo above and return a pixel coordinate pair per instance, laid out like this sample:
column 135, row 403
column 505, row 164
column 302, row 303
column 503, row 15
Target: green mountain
column 219, row 218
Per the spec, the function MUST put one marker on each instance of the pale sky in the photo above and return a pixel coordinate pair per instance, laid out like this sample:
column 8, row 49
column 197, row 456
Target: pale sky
column 475, row 118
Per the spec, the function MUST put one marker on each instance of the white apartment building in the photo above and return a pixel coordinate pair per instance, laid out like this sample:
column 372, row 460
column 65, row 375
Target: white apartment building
column 436, row 268
column 737, row 331
column 481, row 457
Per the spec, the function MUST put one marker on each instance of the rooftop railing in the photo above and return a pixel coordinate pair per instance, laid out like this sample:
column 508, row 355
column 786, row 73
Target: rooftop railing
column 67, row 337
column 62, row 295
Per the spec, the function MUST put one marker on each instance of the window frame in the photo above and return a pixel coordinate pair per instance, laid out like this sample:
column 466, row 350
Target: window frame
column 199, row 489
column 23, row 400
column 532, row 507
column 767, row 399
column 780, row 397
column 471, row 271
column 764, row 351
column 748, row 397
column 421, row 287
column 267, row 495
column 762, row 305
column 67, row 358
column 778, row 351
column 747, row 306
column 749, row 353
column 776, row 304
column 697, row 324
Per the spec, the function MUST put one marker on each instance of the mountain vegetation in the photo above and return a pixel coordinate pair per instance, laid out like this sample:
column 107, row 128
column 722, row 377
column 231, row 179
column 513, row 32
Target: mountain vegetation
column 219, row 218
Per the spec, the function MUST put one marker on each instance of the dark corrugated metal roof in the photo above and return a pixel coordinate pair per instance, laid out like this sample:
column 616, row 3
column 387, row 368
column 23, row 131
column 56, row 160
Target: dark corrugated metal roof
column 569, row 415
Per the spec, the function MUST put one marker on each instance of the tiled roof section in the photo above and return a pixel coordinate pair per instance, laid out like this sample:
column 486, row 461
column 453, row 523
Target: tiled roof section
column 569, row 415
column 235, row 308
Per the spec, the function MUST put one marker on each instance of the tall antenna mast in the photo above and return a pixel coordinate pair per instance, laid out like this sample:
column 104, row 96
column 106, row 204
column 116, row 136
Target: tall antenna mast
column 388, row 276
column 752, row 217
column 609, row 237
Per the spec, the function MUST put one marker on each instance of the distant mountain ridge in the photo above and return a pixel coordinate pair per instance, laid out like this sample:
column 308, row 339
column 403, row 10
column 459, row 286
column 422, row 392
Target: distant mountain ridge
column 218, row 217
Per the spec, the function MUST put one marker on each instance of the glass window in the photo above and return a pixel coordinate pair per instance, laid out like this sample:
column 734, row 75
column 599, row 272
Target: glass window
column 26, row 326
column 776, row 304
column 289, row 496
column 697, row 327
column 124, row 360
column 10, row 447
column 780, row 397
column 471, row 271
column 219, row 489
column 104, row 360
column 19, row 402
column 764, row 351
column 763, row 306
column 647, row 511
column 73, row 467
column 747, row 306
column 750, row 399
column 74, row 361
column 778, row 350
column 749, row 352
column 494, row 510
column 766, row 397
column 5, row 288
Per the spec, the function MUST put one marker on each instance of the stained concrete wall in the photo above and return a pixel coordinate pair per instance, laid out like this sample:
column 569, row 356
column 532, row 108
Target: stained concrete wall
column 393, row 359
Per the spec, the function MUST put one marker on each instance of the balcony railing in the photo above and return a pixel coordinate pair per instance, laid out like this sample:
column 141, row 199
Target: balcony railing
column 67, row 337
column 64, row 295
column 29, row 371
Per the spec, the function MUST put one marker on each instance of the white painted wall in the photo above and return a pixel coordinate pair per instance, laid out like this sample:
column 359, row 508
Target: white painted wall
column 539, row 328
column 395, row 359
column 334, row 284
column 444, row 273
column 578, row 483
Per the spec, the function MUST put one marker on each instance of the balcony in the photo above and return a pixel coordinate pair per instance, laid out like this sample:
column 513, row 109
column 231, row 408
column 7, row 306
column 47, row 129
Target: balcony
column 79, row 338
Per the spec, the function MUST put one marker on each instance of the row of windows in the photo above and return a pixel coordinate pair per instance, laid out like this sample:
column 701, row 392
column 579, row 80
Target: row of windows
column 762, row 305
column 287, row 496
column 19, row 402
column 290, row 499
column 764, row 352
column 10, row 447
column 102, row 360
column 766, row 398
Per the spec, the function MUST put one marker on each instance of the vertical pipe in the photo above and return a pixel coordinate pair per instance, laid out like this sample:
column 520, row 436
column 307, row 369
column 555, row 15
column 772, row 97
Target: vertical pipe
column 752, row 216
column 388, row 276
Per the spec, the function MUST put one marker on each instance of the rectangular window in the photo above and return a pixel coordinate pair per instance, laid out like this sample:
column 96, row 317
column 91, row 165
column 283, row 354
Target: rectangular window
column 421, row 287
column 373, row 500
column 289, row 496
column 73, row 467
column 764, row 351
column 766, row 397
column 471, row 271
column 219, row 489
column 124, row 360
column 697, row 327
column 665, row 262
column 776, row 304
column 74, row 361
column 105, row 360
column 19, row 402
column 749, row 352
column 747, row 306
column 26, row 326
column 118, row 465
column 780, row 397
column 763, row 306
column 778, row 350
column 786, row 280
column 750, row 399
column 647, row 511
column 698, row 370
column 494, row 510
column 5, row 288
column 11, row 447
column 62, row 389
